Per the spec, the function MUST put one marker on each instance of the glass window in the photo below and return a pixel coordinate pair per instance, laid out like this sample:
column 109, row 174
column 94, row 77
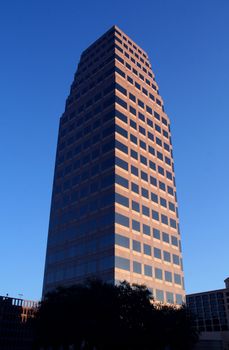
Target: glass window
column 146, row 229
column 157, row 128
column 160, row 295
column 137, row 267
column 136, row 246
column 152, row 97
column 136, row 206
column 147, row 249
column 168, row 276
column 119, row 71
column 154, row 197
column 134, row 187
column 121, row 163
column 120, row 146
column 169, row 175
column 172, row 206
column 121, row 89
column 153, row 181
column 145, row 193
column 160, row 170
column 133, row 124
column 165, row 237
column 167, row 161
column 151, row 150
column 136, row 225
column 121, row 181
column 150, row 136
column 145, row 210
column 164, row 219
column 174, row 241
column 166, row 147
column 156, row 233
column 121, row 131
column 149, row 122
column 144, row 176
column 173, row 223
column 134, row 170
column 152, row 165
column 176, row 259
column 141, row 116
column 134, row 154
column 169, row 298
column 158, row 141
column 132, row 110
column 121, row 219
column 159, row 155
column 179, row 299
column 149, row 110
column 121, row 200
column 167, row 256
column 157, row 253
column 141, row 103
column 155, row 215
column 158, row 273
column 143, row 145
column 177, row 278
column 148, row 270
column 133, row 139
column 122, row 263
column 170, row 190
column 121, row 102
column 142, row 130
column 162, row 186
column 132, row 97
column 122, row 241
column 121, row 116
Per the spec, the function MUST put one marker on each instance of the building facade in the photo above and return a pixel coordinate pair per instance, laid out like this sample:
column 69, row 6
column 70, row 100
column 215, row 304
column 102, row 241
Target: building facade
column 16, row 332
column 211, row 309
column 114, row 207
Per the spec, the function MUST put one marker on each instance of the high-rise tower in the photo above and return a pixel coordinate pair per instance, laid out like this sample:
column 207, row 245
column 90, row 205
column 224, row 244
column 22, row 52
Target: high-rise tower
column 114, row 209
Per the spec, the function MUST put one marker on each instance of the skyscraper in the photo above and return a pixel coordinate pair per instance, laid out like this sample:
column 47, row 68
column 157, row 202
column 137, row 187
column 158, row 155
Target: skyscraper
column 114, row 208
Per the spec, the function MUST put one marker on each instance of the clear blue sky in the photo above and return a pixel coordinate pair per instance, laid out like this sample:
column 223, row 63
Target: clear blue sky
column 40, row 45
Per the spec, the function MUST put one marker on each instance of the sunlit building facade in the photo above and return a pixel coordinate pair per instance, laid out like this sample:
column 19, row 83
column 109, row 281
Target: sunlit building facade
column 114, row 208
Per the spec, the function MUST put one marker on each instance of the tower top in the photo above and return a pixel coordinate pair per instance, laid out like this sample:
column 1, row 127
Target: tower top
column 122, row 34
column 226, row 281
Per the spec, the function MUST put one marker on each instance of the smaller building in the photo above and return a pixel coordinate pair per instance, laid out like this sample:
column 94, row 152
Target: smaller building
column 16, row 331
column 211, row 309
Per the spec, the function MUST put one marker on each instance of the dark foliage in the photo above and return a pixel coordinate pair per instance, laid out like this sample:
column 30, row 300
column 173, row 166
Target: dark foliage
column 102, row 316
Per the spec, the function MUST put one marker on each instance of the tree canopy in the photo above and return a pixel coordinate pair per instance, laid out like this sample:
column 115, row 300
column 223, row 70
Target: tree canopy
column 102, row 316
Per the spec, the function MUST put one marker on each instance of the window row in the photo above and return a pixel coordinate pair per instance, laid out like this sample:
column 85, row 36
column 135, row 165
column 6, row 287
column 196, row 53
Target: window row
column 147, row 270
column 141, row 104
column 137, row 64
column 130, row 43
column 135, row 224
column 133, row 111
column 141, row 116
column 144, row 160
column 136, row 206
column 153, row 181
column 146, row 249
column 135, row 83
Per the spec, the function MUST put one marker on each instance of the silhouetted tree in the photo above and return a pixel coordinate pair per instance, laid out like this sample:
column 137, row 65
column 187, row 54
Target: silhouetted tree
column 101, row 316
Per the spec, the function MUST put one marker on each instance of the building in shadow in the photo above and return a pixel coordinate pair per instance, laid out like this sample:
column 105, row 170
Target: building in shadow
column 16, row 332
column 212, row 317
